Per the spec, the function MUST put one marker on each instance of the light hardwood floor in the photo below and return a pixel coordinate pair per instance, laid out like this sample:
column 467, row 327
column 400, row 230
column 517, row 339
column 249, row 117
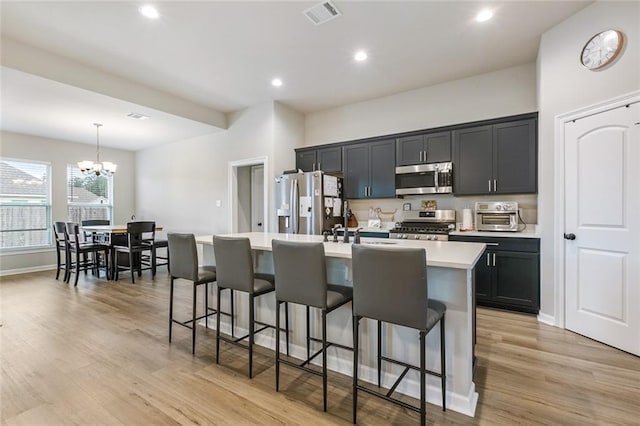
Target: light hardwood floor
column 99, row 354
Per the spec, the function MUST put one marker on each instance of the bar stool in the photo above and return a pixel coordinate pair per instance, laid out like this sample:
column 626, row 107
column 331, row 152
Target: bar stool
column 184, row 265
column 390, row 285
column 234, row 268
column 301, row 278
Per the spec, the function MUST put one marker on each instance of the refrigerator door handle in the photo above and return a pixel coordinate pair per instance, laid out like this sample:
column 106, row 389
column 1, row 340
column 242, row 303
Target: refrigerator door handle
column 295, row 205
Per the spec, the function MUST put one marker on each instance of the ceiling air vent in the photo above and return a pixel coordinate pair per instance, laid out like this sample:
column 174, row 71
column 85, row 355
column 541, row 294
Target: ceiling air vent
column 321, row 13
column 137, row 116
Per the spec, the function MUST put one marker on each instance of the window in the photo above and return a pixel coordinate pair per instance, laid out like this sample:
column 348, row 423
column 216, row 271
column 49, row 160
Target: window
column 25, row 204
column 88, row 196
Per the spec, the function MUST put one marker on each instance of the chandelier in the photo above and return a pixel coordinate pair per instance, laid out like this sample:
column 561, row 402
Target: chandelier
column 105, row 168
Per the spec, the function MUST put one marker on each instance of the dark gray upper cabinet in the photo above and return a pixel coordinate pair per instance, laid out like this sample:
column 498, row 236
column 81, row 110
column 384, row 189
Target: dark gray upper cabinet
column 496, row 159
column 425, row 148
column 514, row 157
column 306, row 160
column 329, row 159
column 369, row 169
column 472, row 160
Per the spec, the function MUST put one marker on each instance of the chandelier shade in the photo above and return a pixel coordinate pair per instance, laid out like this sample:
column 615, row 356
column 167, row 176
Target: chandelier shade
column 97, row 168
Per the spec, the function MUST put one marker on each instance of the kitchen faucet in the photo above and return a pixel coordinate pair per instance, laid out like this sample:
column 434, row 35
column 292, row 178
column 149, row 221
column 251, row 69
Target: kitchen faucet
column 334, row 231
column 356, row 236
column 345, row 239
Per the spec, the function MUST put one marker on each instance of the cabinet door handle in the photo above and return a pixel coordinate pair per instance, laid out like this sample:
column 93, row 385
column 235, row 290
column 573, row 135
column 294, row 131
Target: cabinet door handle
column 495, row 186
column 494, row 259
column 421, row 156
column 425, row 156
column 489, row 182
column 319, row 166
column 488, row 261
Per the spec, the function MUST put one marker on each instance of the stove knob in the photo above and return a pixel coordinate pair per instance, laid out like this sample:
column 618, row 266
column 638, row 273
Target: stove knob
column 417, row 237
column 405, row 236
column 499, row 207
column 435, row 238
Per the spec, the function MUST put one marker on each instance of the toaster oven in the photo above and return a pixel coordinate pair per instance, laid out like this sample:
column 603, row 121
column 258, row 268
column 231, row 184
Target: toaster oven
column 497, row 216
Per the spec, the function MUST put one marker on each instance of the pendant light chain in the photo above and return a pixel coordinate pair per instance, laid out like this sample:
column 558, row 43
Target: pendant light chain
column 98, row 125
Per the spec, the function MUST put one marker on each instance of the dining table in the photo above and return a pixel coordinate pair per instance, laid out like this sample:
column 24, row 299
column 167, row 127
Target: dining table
column 114, row 235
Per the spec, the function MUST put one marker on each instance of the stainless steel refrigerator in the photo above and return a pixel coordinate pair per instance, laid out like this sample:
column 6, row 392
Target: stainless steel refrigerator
column 308, row 203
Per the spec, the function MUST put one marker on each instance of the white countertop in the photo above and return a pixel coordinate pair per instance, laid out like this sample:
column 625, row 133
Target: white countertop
column 444, row 254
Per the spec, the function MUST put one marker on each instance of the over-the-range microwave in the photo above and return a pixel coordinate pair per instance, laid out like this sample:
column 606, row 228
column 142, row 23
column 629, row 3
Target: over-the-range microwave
column 434, row 178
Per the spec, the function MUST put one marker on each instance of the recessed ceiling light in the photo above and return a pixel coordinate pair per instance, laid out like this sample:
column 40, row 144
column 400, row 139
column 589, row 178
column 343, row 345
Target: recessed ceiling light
column 484, row 15
column 360, row 56
column 276, row 82
column 149, row 11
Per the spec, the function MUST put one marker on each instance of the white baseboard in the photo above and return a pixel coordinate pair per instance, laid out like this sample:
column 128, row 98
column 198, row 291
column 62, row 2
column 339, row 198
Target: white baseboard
column 547, row 319
column 343, row 363
column 26, row 270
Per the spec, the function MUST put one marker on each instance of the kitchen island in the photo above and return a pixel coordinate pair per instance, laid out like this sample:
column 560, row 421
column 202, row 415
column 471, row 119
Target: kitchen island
column 450, row 279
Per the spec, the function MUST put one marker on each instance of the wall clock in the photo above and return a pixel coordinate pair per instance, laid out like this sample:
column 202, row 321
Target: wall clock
column 602, row 49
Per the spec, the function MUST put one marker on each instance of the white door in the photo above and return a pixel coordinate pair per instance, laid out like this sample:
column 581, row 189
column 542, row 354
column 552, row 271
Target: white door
column 257, row 199
column 602, row 212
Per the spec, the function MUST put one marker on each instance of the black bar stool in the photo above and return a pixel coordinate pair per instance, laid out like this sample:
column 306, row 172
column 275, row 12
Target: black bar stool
column 234, row 267
column 390, row 285
column 301, row 278
column 185, row 266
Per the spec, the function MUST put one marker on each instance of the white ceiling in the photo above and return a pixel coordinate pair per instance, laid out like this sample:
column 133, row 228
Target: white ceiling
column 224, row 54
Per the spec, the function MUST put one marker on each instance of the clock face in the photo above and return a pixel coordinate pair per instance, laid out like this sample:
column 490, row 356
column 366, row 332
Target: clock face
column 602, row 49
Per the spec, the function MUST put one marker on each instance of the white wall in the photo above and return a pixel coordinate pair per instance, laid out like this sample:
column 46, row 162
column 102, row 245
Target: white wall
column 178, row 183
column 496, row 94
column 59, row 154
column 564, row 85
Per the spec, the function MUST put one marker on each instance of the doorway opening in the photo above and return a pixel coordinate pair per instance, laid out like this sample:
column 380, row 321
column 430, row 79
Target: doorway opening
column 248, row 200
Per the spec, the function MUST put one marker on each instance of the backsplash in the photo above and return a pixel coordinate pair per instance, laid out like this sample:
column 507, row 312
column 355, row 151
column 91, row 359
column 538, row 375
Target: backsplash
column 528, row 203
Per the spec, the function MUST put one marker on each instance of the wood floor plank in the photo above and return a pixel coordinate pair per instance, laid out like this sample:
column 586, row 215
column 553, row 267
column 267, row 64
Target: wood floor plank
column 99, row 354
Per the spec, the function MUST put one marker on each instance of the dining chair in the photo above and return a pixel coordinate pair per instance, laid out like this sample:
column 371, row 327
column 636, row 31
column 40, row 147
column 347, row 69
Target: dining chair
column 96, row 237
column 140, row 237
column 61, row 248
column 81, row 249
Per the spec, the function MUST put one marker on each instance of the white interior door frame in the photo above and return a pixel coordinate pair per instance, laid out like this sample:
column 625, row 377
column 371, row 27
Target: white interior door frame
column 559, row 170
column 233, row 189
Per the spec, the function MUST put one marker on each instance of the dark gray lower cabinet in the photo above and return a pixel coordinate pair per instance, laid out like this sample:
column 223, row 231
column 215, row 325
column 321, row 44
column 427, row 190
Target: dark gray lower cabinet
column 508, row 274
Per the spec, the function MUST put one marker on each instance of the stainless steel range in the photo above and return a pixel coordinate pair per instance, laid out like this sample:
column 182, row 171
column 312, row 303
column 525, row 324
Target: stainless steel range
column 431, row 225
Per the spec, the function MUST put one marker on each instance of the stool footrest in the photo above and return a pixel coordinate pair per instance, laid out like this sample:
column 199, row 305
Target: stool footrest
column 388, row 398
column 300, row 366
column 238, row 339
column 413, row 367
column 337, row 345
column 187, row 322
